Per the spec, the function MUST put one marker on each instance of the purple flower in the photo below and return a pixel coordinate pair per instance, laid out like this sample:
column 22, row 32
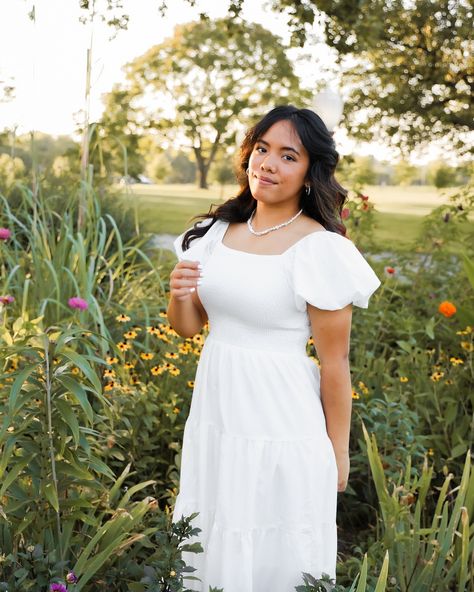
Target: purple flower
column 77, row 302
column 7, row 299
column 71, row 578
column 58, row 588
column 5, row 233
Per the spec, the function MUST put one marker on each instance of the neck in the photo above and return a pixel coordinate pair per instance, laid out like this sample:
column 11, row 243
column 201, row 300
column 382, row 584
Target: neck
column 265, row 217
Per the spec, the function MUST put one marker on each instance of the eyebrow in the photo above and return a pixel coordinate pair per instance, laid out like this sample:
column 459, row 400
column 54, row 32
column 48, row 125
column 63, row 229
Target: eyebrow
column 282, row 148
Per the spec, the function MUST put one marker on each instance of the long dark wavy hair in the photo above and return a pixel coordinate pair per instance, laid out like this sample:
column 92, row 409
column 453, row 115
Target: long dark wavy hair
column 326, row 198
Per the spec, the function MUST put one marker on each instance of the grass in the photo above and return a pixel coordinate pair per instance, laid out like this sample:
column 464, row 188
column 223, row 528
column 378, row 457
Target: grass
column 168, row 209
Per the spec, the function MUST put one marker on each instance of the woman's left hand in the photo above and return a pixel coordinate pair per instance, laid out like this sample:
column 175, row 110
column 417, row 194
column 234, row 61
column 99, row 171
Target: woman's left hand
column 343, row 466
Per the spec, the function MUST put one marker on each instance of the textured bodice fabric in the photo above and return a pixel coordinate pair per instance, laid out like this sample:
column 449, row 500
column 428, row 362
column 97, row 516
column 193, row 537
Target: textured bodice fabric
column 257, row 463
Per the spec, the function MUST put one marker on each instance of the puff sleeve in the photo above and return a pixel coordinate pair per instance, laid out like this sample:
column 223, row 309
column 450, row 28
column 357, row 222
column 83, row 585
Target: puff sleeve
column 329, row 272
column 201, row 247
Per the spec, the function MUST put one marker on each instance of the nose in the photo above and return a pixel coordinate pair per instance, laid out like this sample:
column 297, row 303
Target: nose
column 267, row 165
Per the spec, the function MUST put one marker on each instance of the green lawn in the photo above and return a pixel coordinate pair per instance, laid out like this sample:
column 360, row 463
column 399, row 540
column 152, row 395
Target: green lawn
column 169, row 208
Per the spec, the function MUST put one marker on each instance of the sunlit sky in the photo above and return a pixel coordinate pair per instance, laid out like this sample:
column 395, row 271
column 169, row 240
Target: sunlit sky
column 45, row 60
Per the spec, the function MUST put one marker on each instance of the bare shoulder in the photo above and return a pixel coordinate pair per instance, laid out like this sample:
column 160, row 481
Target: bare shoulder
column 309, row 224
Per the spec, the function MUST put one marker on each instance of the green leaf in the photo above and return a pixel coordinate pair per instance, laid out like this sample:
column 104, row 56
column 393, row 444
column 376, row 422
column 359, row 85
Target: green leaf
column 79, row 393
column 468, row 265
column 69, row 417
column 429, row 328
column 52, row 495
column 15, row 472
column 17, row 385
column 81, row 363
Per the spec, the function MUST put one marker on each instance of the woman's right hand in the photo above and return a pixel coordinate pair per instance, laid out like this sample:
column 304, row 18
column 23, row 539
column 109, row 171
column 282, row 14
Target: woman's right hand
column 184, row 279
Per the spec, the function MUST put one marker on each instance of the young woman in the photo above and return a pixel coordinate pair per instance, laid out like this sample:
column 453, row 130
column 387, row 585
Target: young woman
column 266, row 443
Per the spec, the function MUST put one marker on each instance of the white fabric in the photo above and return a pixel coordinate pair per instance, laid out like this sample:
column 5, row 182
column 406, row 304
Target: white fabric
column 257, row 463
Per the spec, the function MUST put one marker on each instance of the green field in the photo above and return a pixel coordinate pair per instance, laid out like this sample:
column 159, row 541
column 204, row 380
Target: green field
column 399, row 210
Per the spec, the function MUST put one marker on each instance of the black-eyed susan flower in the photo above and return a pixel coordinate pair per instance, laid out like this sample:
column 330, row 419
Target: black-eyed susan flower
column 156, row 370
column 147, row 355
column 456, row 361
column 129, row 365
column 108, row 373
column 466, row 331
column 430, row 452
column 355, row 394
column 163, row 315
column 403, row 378
column 176, row 410
column 135, row 379
column 122, row 318
column 123, row 346
column 191, row 383
column 437, row 376
column 363, row 388
column 171, row 355
column 467, row 345
column 109, row 386
column 75, row 370
column 111, row 360
column 130, row 334
column 175, row 371
column 449, row 381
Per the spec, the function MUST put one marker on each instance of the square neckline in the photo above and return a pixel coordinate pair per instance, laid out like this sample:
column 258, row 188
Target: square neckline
column 221, row 243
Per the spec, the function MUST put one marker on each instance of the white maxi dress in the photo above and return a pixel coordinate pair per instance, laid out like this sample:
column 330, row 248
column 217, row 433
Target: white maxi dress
column 257, row 462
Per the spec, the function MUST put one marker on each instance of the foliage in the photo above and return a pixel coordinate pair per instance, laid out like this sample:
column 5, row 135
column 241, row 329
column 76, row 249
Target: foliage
column 243, row 70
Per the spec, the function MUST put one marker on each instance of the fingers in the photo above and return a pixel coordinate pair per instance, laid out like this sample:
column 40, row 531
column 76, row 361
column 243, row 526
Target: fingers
column 185, row 278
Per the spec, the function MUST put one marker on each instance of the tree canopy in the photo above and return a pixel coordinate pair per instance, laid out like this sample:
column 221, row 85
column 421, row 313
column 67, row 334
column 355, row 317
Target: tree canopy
column 197, row 83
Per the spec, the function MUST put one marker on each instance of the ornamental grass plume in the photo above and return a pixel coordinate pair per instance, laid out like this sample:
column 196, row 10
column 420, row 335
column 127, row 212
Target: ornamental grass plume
column 447, row 308
column 5, row 233
column 78, row 303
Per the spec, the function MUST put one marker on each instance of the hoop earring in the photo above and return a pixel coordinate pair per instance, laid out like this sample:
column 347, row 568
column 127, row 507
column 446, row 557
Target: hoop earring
column 308, row 189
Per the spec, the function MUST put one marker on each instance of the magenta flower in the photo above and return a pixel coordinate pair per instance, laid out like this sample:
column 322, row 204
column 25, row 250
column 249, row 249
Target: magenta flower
column 5, row 233
column 77, row 302
column 58, row 588
column 7, row 299
column 71, row 578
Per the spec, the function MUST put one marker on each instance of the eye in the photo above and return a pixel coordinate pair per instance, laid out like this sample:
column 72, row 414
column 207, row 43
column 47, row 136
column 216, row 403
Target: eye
column 290, row 157
column 259, row 148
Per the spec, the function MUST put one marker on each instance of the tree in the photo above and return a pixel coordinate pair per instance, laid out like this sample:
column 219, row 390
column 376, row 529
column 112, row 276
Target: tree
column 201, row 79
column 408, row 65
column 404, row 173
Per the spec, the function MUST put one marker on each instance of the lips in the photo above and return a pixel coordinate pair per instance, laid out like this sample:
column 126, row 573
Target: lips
column 266, row 180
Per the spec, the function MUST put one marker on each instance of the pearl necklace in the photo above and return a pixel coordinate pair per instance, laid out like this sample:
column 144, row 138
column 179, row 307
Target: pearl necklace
column 267, row 230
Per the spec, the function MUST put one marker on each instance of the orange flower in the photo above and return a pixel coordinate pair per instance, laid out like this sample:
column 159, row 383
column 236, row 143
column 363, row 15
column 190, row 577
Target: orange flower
column 447, row 308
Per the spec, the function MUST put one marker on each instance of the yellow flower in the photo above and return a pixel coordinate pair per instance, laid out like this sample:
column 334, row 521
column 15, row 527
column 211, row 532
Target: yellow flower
column 122, row 318
column 172, row 573
column 135, row 379
column 467, row 345
column 310, row 341
column 355, row 394
column 191, row 383
column 129, row 365
column 171, row 355
column 363, row 388
column 403, row 378
column 467, row 331
column 153, row 330
column 176, row 410
column 146, row 356
column 123, row 346
column 163, row 315
column 130, row 334
column 175, row 371
column 448, row 381
column 430, row 351
column 430, row 452
column 109, row 373
column 109, row 386
column 456, row 361
column 198, row 339
column 137, row 328
column 75, row 370
column 437, row 376
column 157, row 370
column 110, row 360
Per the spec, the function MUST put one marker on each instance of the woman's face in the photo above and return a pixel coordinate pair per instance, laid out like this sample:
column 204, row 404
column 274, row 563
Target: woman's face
column 278, row 165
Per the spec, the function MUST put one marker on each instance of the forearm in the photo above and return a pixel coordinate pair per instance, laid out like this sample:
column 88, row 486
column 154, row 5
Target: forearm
column 336, row 398
column 184, row 317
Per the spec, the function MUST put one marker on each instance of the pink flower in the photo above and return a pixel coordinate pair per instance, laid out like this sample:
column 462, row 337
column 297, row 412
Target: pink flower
column 71, row 578
column 7, row 299
column 5, row 233
column 77, row 302
column 364, row 197
column 345, row 213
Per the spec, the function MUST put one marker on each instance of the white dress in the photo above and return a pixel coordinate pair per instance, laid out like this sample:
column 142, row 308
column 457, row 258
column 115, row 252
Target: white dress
column 257, row 462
